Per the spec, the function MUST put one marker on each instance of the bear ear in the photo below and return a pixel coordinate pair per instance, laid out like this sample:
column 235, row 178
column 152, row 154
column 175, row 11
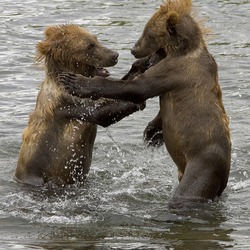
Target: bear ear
column 50, row 31
column 42, row 49
column 172, row 20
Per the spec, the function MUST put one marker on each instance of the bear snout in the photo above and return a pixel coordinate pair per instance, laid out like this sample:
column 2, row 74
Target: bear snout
column 134, row 51
column 115, row 56
column 137, row 52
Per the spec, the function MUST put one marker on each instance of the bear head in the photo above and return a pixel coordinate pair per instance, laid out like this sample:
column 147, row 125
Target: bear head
column 170, row 28
column 74, row 49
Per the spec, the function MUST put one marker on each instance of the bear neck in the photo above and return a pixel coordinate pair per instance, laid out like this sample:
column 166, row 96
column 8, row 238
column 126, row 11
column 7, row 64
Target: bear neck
column 185, row 47
column 183, row 44
column 185, row 37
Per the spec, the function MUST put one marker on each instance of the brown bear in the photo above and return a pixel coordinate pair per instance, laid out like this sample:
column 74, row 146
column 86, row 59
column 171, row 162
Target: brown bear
column 194, row 122
column 58, row 142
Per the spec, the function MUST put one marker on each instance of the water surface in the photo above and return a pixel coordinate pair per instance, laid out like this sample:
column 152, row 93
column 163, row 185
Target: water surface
column 124, row 202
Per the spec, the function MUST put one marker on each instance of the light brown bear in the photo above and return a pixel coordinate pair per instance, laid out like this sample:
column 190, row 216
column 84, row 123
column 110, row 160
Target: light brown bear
column 194, row 122
column 58, row 141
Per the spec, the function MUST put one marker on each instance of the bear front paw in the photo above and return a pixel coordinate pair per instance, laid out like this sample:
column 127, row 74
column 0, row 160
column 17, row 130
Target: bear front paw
column 153, row 137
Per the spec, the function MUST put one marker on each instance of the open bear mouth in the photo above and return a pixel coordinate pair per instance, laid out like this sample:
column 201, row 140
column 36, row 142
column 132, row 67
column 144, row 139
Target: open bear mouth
column 102, row 72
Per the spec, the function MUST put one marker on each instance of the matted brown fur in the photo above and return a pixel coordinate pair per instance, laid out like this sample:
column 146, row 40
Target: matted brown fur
column 179, row 6
column 182, row 7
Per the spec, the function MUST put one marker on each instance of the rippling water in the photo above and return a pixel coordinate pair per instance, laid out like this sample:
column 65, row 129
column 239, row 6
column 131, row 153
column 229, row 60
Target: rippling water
column 124, row 202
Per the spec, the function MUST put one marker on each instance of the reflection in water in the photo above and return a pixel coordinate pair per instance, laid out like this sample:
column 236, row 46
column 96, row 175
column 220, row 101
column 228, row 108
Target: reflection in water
column 197, row 230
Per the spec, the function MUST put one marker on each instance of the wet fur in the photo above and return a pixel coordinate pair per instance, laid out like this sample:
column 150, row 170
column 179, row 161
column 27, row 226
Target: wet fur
column 58, row 142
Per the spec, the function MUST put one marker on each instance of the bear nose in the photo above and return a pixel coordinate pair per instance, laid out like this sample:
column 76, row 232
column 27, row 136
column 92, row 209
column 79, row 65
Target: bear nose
column 115, row 56
column 133, row 51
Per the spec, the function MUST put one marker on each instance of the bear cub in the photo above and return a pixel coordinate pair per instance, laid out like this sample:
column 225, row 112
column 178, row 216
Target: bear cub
column 58, row 142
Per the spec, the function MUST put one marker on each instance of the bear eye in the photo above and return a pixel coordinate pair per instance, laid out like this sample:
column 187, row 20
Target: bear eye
column 91, row 46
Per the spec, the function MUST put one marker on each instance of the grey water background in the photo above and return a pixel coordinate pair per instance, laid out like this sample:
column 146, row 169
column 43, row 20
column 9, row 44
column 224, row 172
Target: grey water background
column 124, row 202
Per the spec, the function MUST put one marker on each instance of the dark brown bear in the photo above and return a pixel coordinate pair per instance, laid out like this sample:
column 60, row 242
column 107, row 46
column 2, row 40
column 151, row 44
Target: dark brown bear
column 194, row 122
column 58, row 141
